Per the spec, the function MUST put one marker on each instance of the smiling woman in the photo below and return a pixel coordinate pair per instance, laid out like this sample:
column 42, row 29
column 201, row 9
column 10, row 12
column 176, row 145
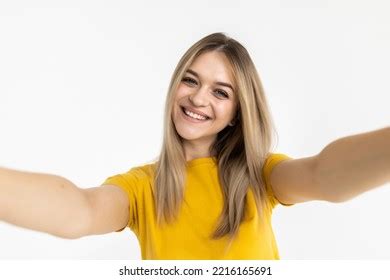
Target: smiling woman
column 208, row 187
column 211, row 192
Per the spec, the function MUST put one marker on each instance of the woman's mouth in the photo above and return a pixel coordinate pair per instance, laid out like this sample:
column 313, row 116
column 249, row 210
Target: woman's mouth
column 189, row 115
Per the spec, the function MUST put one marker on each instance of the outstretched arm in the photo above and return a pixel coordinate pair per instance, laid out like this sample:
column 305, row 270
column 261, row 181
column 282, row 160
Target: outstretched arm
column 344, row 169
column 53, row 204
column 355, row 164
column 42, row 202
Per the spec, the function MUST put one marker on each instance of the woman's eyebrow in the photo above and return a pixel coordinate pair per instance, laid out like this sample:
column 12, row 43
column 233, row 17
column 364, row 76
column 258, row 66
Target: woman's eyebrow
column 217, row 82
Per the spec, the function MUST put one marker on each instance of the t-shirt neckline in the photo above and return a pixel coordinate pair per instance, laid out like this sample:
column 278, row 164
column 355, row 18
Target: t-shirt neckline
column 202, row 160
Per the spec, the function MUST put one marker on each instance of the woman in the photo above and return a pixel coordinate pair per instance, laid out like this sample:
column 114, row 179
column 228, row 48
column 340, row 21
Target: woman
column 211, row 192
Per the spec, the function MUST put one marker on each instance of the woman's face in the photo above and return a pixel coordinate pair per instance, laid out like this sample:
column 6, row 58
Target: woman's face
column 205, row 101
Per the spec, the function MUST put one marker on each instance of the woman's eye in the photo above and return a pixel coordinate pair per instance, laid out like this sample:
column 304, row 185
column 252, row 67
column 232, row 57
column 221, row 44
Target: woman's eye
column 222, row 93
column 189, row 80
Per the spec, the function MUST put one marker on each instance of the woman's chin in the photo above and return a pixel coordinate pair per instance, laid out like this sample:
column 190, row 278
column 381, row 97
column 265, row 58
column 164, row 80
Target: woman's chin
column 189, row 137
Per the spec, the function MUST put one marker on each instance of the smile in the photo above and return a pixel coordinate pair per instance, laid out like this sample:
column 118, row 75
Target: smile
column 194, row 116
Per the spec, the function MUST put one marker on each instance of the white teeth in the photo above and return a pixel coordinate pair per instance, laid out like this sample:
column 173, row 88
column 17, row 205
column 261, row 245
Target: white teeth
column 193, row 115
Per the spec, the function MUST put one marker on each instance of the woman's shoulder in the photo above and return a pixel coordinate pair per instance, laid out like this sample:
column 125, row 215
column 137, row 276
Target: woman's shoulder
column 275, row 157
column 143, row 171
column 271, row 160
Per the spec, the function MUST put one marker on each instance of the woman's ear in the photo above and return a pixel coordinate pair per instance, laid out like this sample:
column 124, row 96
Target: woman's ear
column 235, row 119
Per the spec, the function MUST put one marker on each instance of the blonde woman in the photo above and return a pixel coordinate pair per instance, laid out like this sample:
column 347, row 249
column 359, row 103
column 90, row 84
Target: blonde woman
column 211, row 192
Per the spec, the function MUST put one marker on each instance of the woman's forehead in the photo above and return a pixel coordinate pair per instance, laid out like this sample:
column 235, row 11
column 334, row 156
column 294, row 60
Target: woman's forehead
column 213, row 65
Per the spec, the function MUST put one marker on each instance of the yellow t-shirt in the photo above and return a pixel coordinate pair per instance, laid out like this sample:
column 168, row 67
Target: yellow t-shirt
column 188, row 237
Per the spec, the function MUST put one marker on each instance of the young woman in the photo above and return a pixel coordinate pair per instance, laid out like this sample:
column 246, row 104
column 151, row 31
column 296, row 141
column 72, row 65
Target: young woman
column 211, row 192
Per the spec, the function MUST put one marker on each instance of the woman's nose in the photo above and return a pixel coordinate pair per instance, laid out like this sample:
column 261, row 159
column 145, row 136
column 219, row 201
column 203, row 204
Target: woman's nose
column 200, row 97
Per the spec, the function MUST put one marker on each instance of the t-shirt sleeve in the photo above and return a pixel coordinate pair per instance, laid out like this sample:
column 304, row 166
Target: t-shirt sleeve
column 127, row 182
column 269, row 164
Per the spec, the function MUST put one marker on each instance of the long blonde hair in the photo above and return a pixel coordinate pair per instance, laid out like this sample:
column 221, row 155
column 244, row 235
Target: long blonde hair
column 240, row 149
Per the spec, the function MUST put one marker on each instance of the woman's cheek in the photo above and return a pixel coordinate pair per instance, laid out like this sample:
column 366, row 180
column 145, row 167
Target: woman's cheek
column 181, row 91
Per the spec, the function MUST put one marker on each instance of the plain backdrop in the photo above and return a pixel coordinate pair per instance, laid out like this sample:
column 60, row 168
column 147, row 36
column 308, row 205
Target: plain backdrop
column 83, row 86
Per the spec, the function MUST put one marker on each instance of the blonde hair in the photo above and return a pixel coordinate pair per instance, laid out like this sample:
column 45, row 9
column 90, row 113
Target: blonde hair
column 240, row 149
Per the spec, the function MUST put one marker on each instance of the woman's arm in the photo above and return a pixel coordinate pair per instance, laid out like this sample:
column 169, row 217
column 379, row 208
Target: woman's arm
column 344, row 169
column 42, row 202
column 52, row 204
column 352, row 165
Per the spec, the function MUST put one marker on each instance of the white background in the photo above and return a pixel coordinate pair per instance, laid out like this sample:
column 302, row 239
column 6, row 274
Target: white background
column 83, row 86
